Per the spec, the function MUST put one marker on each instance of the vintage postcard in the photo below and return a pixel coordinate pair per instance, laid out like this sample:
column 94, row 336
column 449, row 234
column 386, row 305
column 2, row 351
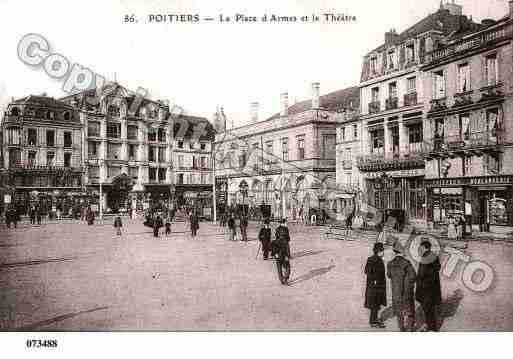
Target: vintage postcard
column 239, row 166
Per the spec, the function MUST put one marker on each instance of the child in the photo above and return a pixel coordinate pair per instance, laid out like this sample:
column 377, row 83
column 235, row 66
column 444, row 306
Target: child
column 375, row 291
column 168, row 226
column 118, row 225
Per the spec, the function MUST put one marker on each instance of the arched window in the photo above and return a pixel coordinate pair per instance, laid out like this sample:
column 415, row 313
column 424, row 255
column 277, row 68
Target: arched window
column 114, row 111
column 67, row 116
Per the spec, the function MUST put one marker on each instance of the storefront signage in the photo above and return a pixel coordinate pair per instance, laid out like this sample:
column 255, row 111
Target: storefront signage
column 417, row 172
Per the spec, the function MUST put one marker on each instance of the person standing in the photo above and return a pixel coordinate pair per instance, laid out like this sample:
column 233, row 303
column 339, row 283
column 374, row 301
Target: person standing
column 38, row 215
column 32, row 214
column 244, row 228
column 402, row 275
column 231, row 227
column 375, row 290
column 157, row 223
column 428, row 292
column 118, row 225
column 168, row 226
column 282, row 236
column 264, row 236
column 194, row 220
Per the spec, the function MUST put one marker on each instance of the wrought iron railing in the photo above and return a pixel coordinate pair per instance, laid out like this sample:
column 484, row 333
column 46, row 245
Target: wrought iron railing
column 472, row 140
column 391, row 103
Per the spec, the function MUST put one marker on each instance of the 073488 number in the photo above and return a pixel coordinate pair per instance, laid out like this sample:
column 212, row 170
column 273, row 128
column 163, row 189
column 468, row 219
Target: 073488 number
column 38, row 343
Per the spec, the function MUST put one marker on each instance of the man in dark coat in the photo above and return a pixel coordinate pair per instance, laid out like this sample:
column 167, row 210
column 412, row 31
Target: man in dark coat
column 194, row 221
column 244, row 228
column 428, row 292
column 118, row 224
column 375, row 290
column 282, row 239
column 157, row 223
column 231, row 227
column 264, row 236
column 402, row 274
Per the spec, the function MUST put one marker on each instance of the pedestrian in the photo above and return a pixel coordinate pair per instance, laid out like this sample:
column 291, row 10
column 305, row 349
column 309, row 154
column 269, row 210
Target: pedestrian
column 38, row 215
column 59, row 210
column 157, row 223
column 282, row 239
column 349, row 220
column 375, row 290
column 168, row 226
column 301, row 215
column 194, row 221
column 264, row 236
column 231, row 227
column 32, row 213
column 8, row 218
column 118, row 225
column 402, row 275
column 451, row 228
column 428, row 292
column 244, row 228
column 313, row 218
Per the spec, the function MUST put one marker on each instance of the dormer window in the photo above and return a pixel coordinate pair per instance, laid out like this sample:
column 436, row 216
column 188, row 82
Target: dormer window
column 152, row 113
column 391, row 59
column 67, row 116
column 15, row 111
column 374, row 64
column 113, row 111
column 410, row 53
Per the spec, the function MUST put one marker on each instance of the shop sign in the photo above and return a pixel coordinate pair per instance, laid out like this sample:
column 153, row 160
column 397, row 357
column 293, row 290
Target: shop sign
column 7, row 198
column 190, row 194
column 417, row 172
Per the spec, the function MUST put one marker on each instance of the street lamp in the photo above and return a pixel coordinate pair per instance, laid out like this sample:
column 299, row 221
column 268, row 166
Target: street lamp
column 101, row 162
column 244, row 191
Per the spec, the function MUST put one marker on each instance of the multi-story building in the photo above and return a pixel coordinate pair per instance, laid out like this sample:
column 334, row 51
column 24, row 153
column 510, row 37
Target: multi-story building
column 393, row 108
column 193, row 171
column 287, row 161
column 469, row 128
column 42, row 153
column 128, row 147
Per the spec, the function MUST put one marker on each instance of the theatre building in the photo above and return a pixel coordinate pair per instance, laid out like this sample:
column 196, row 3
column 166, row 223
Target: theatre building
column 469, row 127
column 42, row 155
column 393, row 97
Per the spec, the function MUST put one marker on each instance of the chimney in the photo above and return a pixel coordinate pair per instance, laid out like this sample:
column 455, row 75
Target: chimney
column 254, row 106
column 391, row 37
column 315, row 95
column 284, row 100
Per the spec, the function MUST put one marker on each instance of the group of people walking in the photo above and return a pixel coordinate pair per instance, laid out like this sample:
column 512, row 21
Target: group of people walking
column 241, row 222
column 407, row 286
column 281, row 240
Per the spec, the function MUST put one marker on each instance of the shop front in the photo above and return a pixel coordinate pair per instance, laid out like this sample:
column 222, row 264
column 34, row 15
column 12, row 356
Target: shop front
column 398, row 190
column 486, row 203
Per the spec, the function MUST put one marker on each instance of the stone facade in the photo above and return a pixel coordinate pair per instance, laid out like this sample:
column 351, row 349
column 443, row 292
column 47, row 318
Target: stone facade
column 288, row 161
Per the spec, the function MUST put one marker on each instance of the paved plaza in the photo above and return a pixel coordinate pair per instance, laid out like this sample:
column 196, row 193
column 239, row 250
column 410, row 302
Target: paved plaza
column 70, row 276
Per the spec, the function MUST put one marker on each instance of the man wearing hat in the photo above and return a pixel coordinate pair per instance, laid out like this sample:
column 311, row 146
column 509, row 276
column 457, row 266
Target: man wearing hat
column 428, row 291
column 264, row 236
column 402, row 275
column 282, row 237
column 376, row 288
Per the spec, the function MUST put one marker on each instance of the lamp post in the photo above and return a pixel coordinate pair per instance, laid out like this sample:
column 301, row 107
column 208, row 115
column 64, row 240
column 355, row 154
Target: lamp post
column 244, row 191
column 101, row 189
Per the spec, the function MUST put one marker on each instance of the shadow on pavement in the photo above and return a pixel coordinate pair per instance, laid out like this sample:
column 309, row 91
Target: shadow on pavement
column 446, row 309
column 30, row 263
column 60, row 318
column 312, row 274
column 305, row 254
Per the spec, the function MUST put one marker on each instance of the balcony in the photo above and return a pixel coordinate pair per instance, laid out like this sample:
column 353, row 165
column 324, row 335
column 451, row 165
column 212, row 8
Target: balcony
column 469, row 44
column 491, row 92
column 439, row 104
column 475, row 143
column 463, row 99
column 410, row 99
column 32, row 166
column 391, row 103
column 374, row 107
column 410, row 158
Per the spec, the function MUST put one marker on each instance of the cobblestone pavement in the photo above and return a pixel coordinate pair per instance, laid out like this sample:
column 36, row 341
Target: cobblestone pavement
column 70, row 276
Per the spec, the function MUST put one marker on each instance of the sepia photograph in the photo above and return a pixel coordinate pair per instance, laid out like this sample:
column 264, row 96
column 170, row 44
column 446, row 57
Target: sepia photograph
column 271, row 167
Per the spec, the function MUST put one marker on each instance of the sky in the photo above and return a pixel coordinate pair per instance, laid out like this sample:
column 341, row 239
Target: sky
column 200, row 66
